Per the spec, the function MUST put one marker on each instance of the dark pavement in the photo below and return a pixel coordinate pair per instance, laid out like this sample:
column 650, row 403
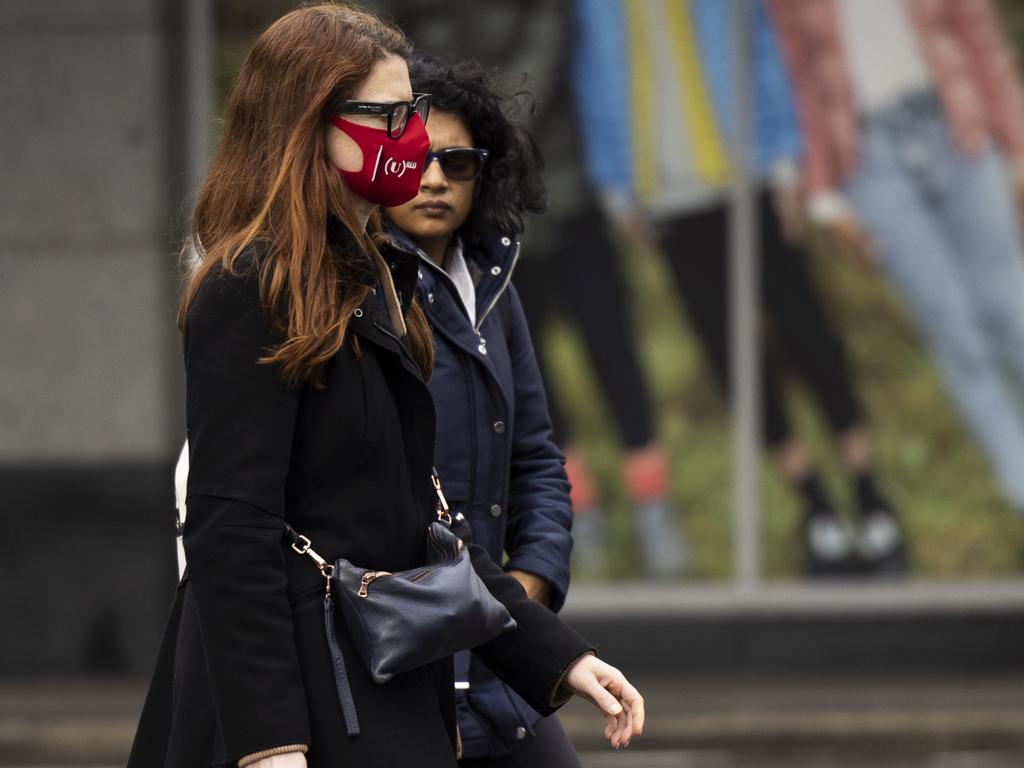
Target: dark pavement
column 826, row 723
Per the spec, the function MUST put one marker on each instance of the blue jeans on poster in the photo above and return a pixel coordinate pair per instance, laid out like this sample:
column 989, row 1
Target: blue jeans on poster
column 947, row 233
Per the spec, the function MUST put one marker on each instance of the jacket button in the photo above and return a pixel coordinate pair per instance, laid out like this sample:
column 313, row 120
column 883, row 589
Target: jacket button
column 495, row 510
column 506, row 241
column 499, row 427
column 358, row 312
column 520, row 733
column 495, row 271
column 430, row 298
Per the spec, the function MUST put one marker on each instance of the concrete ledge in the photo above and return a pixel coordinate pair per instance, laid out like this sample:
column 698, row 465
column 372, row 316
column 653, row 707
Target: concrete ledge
column 889, row 715
column 831, row 598
column 914, row 629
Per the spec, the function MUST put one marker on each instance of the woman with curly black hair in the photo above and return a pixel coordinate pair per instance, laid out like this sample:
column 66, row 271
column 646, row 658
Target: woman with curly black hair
column 494, row 445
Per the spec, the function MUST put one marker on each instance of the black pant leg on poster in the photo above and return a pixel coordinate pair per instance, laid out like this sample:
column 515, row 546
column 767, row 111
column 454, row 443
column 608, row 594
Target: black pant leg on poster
column 810, row 346
column 696, row 247
column 590, row 277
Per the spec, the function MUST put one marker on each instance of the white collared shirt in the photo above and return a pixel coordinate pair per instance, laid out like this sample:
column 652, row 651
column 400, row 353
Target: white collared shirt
column 883, row 54
column 455, row 267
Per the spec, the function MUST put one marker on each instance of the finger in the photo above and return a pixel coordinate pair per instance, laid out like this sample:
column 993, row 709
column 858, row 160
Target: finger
column 615, row 736
column 634, row 702
column 601, row 698
column 625, row 731
column 621, row 724
column 636, row 706
column 626, row 694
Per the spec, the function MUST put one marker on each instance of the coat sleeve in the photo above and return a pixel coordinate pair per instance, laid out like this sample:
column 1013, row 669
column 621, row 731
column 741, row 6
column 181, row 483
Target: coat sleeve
column 537, row 537
column 241, row 420
column 533, row 658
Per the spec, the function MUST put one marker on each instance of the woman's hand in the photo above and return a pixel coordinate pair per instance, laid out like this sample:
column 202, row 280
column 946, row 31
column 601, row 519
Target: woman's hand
column 537, row 589
column 609, row 690
column 287, row 760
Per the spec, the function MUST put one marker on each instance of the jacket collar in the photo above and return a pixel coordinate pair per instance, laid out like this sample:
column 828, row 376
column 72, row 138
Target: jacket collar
column 402, row 260
column 372, row 319
column 490, row 263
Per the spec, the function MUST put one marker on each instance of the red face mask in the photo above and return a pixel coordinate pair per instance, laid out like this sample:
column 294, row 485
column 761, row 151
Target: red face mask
column 392, row 168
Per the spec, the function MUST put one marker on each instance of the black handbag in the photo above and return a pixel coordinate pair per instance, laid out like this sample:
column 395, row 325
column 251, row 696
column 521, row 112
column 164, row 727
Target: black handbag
column 404, row 620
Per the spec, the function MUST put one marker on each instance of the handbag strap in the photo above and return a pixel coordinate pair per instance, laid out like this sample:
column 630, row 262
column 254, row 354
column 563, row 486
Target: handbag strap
column 303, row 546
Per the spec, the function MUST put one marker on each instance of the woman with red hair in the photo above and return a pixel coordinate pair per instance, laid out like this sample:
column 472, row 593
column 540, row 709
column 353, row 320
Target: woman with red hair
column 306, row 358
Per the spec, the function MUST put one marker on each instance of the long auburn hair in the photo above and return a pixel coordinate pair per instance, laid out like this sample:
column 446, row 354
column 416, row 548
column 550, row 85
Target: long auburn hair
column 271, row 183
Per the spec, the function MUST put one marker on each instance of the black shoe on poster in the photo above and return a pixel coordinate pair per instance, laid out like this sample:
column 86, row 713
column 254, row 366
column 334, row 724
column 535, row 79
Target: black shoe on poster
column 828, row 547
column 881, row 545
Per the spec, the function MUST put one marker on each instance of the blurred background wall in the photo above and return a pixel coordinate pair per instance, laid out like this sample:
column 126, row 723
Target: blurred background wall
column 109, row 115
column 98, row 149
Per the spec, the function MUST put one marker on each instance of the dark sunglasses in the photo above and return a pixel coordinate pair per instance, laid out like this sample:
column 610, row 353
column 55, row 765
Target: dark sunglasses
column 458, row 163
column 398, row 112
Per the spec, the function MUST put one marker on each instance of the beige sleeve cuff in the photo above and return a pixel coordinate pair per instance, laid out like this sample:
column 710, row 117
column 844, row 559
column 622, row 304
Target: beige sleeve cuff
column 559, row 693
column 256, row 756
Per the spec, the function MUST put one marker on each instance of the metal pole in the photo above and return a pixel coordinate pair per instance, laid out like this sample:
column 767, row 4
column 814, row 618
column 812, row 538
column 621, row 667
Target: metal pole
column 743, row 307
column 188, row 31
column 199, row 90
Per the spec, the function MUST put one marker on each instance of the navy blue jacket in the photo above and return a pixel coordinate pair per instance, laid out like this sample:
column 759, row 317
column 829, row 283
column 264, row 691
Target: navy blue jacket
column 497, row 460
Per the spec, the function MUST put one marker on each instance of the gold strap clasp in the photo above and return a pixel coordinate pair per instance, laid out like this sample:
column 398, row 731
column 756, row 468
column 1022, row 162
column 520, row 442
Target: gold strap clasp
column 443, row 513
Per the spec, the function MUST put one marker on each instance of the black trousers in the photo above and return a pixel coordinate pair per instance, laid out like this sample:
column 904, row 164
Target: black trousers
column 550, row 748
column 799, row 337
column 578, row 274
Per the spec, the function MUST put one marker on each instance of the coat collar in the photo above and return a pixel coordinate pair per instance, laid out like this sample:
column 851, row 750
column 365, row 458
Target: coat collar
column 490, row 263
column 401, row 260
column 371, row 319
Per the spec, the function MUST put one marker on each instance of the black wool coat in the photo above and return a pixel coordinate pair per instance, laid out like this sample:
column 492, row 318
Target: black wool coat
column 244, row 664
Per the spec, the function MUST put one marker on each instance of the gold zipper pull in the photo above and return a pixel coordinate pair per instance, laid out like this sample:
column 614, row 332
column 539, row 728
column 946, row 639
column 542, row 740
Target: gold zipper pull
column 368, row 578
column 443, row 512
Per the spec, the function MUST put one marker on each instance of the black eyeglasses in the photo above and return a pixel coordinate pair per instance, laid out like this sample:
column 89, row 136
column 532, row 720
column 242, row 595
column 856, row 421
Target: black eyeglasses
column 458, row 163
column 398, row 112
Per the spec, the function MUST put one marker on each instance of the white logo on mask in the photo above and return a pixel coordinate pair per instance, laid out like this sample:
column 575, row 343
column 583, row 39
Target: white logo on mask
column 398, row 167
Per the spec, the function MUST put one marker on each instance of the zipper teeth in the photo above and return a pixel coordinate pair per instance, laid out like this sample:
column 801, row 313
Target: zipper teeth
column 401, row 345
column 504, row 285
column 423, row 575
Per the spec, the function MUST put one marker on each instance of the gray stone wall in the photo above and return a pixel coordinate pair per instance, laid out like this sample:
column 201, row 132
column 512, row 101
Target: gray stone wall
column 86, row 264
column 103, row 120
